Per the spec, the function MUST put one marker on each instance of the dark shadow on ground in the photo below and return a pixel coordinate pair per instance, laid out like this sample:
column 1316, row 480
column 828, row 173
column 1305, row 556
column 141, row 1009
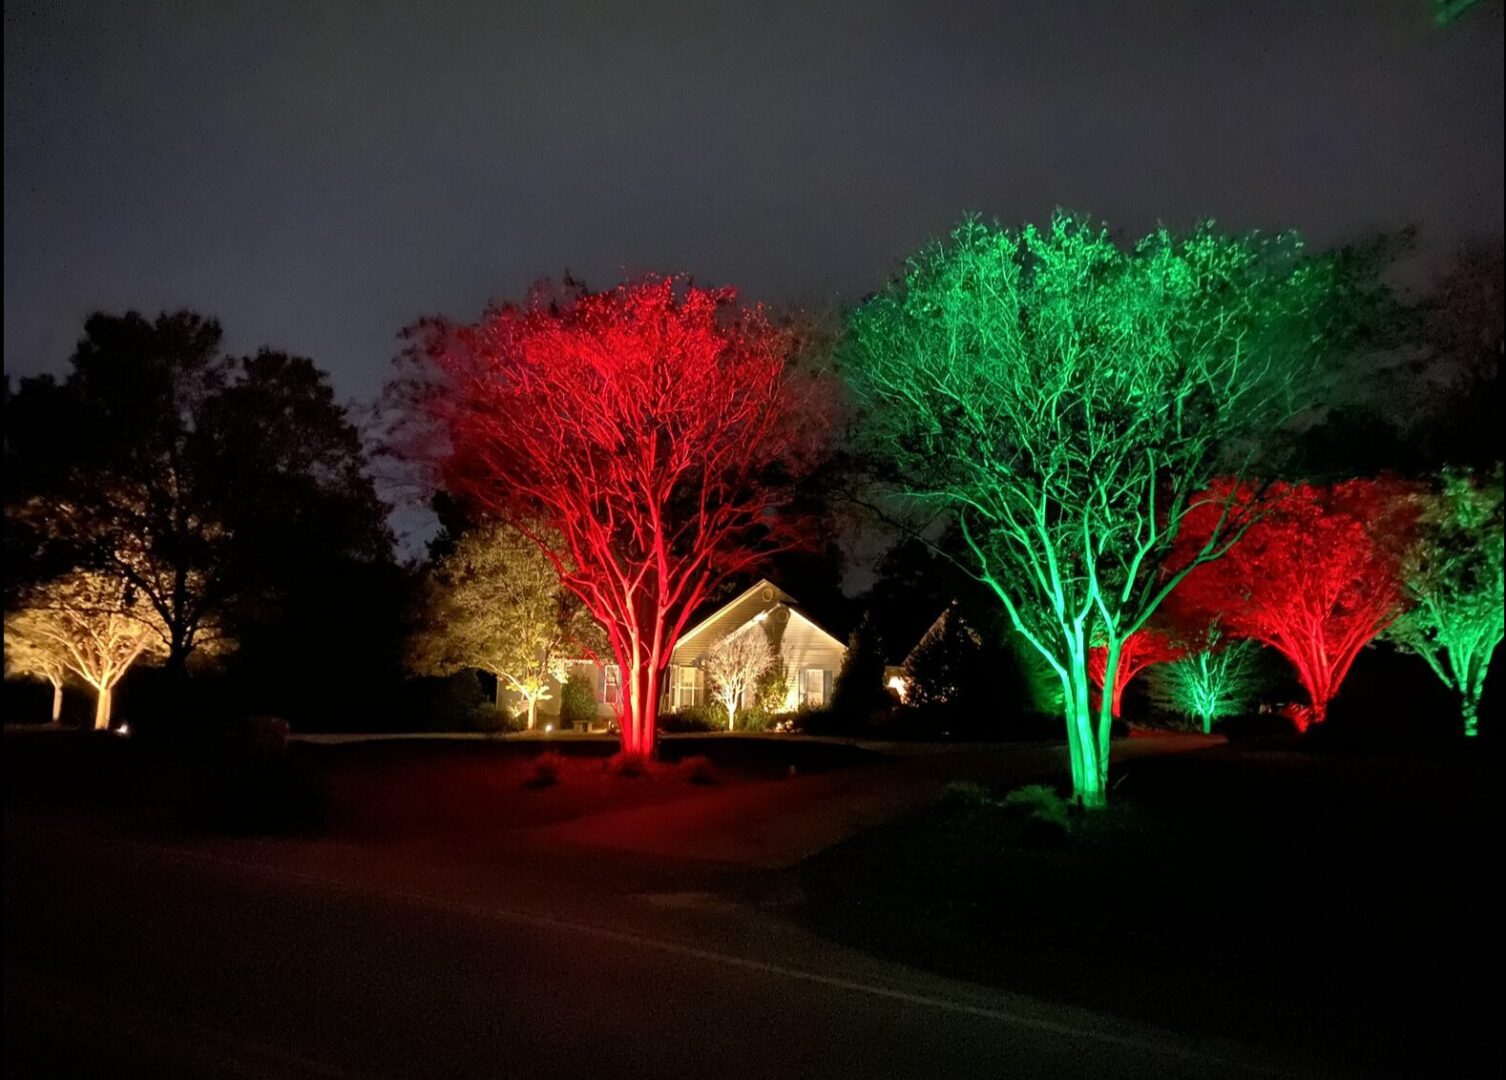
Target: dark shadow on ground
column 458, row 789
column 1348, row 905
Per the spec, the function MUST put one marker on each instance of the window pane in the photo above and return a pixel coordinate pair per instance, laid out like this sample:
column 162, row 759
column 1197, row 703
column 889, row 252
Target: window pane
column 814, row 686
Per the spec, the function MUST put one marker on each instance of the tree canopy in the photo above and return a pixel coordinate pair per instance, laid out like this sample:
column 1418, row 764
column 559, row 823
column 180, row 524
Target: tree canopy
column 1455, row 586
column 1067, row 399
column 655, row 430
column 495, row 604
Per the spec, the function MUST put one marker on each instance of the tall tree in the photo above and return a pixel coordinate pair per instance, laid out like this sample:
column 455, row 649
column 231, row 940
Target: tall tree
column 1316, row 575
column 1455, row 585
column 495, row 604
column 1067, row 400
column 198, row 479
column 656, row 431
column 91, row 625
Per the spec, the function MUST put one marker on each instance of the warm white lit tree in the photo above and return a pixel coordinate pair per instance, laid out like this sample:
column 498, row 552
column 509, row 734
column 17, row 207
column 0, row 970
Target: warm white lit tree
column 95, row 627
column 734, row 663
column 495, row 604
column 31, row 657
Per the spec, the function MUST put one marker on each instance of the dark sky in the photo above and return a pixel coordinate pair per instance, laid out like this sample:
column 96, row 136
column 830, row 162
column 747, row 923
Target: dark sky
column 318, row 174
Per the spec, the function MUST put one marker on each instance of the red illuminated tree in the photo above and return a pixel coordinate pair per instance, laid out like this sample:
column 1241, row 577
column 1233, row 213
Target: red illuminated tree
column 656, row 431
column 1316, row 575
column 1142, row 649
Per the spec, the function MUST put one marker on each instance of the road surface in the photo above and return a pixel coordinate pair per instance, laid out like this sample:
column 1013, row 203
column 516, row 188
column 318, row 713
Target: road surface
column 138, row 957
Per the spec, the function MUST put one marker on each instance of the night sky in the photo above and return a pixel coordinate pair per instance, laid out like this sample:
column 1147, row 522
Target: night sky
column 318, row 174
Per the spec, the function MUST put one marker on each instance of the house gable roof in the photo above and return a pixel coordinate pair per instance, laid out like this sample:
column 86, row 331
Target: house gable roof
column 763, row 589
column 818, row 628
column 748, row 608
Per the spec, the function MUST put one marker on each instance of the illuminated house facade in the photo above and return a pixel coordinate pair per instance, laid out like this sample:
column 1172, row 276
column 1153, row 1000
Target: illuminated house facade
column 811, row 655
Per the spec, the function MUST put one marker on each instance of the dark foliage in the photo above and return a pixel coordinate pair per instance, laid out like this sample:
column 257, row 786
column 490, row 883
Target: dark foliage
column 858, row 694
column 229, row 493
column 577, row 702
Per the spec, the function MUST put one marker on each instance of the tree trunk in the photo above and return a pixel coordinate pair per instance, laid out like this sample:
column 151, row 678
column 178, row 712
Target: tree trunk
column 102, row 710
column 1470, row 707
column 57, row 702
column 642, row 713
column 1089, row 766
column 1108, row 712
column 533, row 712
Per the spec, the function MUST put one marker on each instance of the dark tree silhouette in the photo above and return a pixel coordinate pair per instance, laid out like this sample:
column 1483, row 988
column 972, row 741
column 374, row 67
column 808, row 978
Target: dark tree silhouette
column 204, row 482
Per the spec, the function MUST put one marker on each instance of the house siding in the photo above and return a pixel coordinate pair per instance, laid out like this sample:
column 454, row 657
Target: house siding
column 801, row 644
column 805, row 646
column 690, row 650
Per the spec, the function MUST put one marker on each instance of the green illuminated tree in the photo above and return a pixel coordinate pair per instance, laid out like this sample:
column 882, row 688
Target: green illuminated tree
column 1454, row 581
column 495, row 604
column 1216, row 680
column 1066, row 399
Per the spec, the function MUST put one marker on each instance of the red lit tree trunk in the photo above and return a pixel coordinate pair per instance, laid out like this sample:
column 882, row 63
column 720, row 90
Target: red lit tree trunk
column 648, row 439
column 1142, row 649
column 1316, row 577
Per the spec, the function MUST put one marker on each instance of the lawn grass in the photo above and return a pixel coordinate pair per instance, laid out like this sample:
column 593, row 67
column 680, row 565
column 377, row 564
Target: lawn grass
column 457, row 789
column 1349, row 906
column 466, row 788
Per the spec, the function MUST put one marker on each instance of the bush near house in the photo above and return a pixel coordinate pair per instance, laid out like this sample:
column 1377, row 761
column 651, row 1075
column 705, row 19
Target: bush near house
column 577, row 702
column 859, row 698
column 771, row 690
column 708, row 717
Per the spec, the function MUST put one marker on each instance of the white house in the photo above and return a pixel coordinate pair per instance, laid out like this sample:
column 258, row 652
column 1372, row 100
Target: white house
column 811, row 655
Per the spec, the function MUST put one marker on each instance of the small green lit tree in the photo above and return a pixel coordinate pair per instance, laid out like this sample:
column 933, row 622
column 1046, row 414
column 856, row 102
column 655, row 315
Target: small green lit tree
column 1067, row 399
column 1454, row 584
column 1215, row 680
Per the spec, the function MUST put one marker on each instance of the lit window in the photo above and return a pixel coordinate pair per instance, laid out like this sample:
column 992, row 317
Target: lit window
column 814, row 687
column 687, row 687
column 611, row 687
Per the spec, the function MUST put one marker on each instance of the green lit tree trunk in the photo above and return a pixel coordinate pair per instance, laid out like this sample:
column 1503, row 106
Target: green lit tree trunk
column 1106, row 721
column 1088, row 728
column 1472, row 686
column 1204, row 701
